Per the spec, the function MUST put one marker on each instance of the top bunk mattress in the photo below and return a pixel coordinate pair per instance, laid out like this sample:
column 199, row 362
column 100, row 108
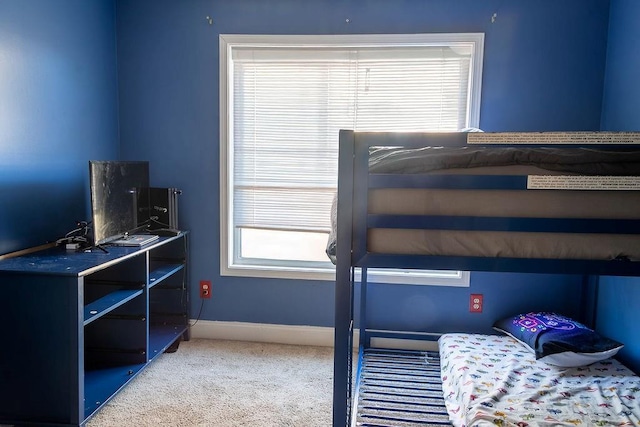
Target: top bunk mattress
column 532, row 203
column 575, row 160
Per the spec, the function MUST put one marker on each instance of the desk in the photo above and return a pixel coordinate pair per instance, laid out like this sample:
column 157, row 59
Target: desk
column 81, row 325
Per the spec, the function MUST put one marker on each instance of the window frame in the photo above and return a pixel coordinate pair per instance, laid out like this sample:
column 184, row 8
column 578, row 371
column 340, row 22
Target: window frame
column 228, row 239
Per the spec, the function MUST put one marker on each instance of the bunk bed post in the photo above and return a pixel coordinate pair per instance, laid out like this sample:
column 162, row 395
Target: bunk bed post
column 343, row 292
column 362, row 325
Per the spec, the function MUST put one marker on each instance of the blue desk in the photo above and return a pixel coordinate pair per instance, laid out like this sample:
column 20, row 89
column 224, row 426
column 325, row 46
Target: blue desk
column 83, row 324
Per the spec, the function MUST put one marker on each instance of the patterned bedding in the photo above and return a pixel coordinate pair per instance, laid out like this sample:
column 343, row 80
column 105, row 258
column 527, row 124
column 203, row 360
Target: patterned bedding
column 491, row 380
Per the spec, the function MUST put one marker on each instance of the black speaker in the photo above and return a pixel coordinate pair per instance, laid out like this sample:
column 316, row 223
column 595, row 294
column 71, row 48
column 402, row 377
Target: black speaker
column 158, row 207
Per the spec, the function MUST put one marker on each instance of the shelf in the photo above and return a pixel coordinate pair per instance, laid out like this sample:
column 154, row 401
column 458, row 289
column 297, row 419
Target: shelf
column 162, row 336
column 107, row 315
column 158, row 274
column 107, row 303
column 101, row 384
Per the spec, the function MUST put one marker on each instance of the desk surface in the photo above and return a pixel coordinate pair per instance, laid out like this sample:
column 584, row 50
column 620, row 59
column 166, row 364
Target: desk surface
column 59, row 261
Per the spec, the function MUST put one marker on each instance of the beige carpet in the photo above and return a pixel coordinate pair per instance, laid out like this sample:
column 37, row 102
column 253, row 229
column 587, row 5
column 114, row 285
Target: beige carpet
column 228, row 384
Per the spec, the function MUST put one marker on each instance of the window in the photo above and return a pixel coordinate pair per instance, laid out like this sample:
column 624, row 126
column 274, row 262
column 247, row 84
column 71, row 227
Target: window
column 283, row 100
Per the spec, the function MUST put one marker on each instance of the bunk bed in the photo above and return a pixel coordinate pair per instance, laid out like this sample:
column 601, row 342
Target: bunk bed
column 561, row 203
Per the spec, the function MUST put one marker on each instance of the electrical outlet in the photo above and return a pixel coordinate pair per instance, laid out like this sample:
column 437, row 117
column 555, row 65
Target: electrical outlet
column 205, row 289
column 475, row 303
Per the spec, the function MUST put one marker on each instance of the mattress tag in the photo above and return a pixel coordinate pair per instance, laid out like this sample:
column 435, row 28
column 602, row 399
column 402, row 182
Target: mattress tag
column 536, row 138
column 574, row 182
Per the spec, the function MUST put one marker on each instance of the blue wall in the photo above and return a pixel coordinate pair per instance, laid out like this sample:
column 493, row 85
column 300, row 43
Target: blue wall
column 60, row 93
column 543, row 70
column 618, row 316
column 446, row 309
column 58, row 109
column 619, row 297
column 622, row 86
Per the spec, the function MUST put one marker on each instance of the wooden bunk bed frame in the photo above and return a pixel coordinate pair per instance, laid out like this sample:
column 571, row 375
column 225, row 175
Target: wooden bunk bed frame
column 353, row 222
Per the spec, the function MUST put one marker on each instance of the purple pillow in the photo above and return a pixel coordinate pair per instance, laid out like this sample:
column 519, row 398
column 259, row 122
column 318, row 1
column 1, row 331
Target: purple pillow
column 558, row 340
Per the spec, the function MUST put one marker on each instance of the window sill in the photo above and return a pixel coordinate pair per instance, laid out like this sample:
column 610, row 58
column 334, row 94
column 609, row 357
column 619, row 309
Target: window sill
column 328, row 274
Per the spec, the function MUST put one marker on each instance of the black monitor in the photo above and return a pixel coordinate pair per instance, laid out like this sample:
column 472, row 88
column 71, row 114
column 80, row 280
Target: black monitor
column 114, row 186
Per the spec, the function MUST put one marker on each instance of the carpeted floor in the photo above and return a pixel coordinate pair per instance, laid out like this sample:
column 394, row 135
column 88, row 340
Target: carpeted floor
column 228, row 384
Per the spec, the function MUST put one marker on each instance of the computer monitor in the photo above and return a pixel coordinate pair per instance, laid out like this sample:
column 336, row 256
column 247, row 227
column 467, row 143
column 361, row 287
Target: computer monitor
column 114, row 186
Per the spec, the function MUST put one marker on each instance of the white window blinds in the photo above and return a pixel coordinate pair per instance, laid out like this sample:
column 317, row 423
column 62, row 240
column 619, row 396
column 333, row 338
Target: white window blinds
column 289, row 103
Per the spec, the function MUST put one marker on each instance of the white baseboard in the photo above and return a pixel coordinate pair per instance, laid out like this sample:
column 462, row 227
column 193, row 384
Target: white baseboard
column 262, row 332
column 295, row 335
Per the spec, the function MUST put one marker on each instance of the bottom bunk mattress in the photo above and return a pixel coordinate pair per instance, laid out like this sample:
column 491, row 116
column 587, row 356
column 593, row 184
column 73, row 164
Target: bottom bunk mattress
column 495, row 380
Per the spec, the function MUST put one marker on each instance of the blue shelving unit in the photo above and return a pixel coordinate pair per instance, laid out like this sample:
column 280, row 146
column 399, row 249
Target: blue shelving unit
column 85, row 324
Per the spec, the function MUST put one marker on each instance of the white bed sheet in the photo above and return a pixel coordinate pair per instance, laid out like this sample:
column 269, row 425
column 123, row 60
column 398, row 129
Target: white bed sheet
column 491, row 380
